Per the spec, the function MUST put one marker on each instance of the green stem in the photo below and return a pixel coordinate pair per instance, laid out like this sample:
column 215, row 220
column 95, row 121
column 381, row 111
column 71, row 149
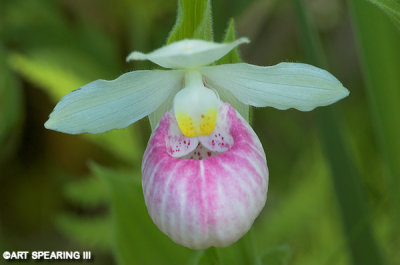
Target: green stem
column 213, row 257
column 246, row 248
column 345, row 177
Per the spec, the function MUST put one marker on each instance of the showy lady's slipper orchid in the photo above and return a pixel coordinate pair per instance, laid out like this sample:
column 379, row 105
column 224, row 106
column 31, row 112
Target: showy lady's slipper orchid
column 204, row 171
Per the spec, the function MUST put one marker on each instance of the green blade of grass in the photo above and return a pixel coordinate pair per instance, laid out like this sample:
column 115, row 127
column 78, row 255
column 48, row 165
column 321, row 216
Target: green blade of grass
column 350, row 195
column 11, row 108
column 378, row 43
column 391, row 8
column 345, row 177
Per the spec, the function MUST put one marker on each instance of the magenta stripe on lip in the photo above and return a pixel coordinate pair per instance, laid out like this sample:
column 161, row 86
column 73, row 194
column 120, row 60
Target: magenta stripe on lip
column 211, row 201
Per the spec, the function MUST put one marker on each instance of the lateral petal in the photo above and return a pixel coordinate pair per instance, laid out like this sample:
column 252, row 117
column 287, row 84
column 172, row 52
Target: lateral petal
column 104, row 105
column 282, row 86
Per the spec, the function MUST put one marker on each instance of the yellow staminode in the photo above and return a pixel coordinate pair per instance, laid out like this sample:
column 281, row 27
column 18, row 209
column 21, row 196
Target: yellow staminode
column 196, row 106
column 194, row 126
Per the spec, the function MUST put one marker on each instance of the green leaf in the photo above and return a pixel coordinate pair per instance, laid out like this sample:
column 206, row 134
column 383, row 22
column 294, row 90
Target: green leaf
column 230, row 36
column 193, row 21
column 350, row 194
column 93, row 232
column 136, row 239
column 51, row 72
column 279, row 255
column 378, row 43
column 11, row 107
column 87, row 192
column 391, row 8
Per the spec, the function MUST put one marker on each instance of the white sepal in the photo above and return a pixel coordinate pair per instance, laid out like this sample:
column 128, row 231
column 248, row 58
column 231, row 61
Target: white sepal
column 187, row 53
column 283, row 86
column 104, row 105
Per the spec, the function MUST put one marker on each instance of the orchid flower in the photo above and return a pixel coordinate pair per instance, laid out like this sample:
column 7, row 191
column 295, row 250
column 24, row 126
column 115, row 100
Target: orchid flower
column 204, row 171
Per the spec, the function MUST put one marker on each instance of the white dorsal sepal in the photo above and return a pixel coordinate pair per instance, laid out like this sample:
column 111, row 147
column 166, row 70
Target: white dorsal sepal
column 187, row 53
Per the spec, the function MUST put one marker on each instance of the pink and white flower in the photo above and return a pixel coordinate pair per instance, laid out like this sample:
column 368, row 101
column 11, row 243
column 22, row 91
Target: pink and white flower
column 204, row 171
column 208, row 195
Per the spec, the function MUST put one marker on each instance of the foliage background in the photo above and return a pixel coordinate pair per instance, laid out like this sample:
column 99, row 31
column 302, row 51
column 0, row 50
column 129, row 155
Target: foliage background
column 334, row 190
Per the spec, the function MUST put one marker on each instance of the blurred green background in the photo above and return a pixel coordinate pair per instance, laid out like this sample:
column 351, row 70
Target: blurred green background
column 334, row 188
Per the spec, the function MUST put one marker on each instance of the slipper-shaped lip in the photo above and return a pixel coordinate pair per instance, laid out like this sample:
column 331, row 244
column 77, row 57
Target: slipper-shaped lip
column 208, row 202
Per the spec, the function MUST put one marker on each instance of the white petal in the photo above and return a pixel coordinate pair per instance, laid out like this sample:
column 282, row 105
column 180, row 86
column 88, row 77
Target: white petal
column 187, row 53
column 283, row 86
column 104, row 105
